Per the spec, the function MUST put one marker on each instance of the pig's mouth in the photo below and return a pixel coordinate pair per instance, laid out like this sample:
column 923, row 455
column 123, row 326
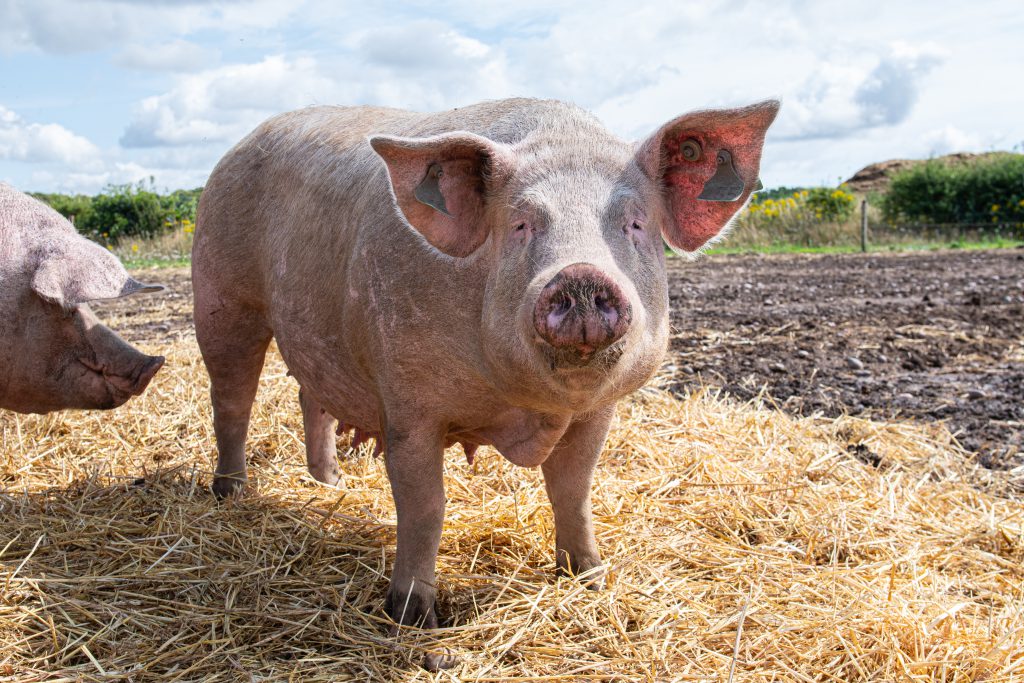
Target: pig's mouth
column 123, row 386
column 577, row 359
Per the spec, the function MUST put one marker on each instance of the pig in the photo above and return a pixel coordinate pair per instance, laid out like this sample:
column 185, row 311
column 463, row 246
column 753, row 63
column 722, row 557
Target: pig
column 494, row 274
column 54, row 353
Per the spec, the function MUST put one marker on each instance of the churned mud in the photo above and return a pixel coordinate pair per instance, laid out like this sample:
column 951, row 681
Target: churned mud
column 918, row 336
column 914, row 335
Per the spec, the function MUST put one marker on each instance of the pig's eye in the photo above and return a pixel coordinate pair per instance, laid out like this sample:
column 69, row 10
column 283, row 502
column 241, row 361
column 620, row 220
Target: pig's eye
column 637, row 226
column 521, row 227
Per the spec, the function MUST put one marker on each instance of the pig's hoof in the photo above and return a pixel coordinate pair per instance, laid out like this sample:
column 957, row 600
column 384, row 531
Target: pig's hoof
column 329, row 475
column 589, row 572
column 411, row 607
column 226, row 486
column 436, row 661
column 417, row 608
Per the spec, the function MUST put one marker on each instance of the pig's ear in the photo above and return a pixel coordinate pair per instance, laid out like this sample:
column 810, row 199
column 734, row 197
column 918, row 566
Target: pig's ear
column 80, row 271
column 441, row 184
column 707, row 163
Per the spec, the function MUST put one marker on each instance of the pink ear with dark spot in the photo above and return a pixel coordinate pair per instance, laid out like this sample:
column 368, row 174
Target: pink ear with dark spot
column 441, row 184
column 687, row 153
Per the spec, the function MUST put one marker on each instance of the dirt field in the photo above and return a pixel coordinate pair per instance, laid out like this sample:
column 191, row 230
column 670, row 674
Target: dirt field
column 920, row 336
column 915, row 335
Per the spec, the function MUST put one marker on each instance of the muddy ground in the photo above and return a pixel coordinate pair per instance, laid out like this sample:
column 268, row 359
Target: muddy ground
column 917, row 335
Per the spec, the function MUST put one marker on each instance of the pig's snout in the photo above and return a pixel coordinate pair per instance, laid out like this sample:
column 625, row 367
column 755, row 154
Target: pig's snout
column 582, row 310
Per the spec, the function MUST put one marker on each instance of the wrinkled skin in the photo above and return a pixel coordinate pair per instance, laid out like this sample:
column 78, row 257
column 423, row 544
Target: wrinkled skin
column 489, row 275
column 54, row 353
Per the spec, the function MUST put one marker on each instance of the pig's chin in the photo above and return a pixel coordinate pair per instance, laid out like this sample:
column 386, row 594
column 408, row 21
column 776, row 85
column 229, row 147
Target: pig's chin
column 570, row 361
column 581, row 372
column 98, row 393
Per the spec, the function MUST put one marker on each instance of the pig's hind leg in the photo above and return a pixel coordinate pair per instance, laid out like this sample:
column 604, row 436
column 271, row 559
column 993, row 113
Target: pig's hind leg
column 233, row 341
column 321, row 451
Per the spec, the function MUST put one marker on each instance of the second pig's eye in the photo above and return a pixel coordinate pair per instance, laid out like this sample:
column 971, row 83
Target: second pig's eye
column 521, row 227
column 637, row 226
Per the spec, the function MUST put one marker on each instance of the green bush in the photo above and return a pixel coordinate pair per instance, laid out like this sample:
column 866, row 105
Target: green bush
column 990, row 190
column 182, row 204
column 126, row 210
column 777, row 193
column 836, row 205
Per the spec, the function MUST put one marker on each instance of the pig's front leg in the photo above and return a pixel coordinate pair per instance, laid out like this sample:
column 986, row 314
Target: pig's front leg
column 568, row 473
column 414, row 461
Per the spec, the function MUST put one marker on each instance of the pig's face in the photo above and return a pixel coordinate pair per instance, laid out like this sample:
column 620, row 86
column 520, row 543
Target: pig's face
column 64, row 358
column 54, row 353
column 569, row 224
column 576, row 296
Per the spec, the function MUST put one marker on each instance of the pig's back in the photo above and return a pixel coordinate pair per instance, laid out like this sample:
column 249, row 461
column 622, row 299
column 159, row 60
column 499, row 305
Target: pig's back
column 308, row 181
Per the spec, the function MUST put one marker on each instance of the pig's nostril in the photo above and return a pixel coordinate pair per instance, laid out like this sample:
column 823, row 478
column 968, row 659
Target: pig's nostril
column 562, row 305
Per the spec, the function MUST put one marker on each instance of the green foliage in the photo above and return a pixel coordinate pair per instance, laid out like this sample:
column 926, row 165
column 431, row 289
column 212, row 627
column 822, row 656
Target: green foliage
column 987, row 191
column 127, row 211
column 777, row 193
column 815, row 204
column 831, row 205
column 182, row 204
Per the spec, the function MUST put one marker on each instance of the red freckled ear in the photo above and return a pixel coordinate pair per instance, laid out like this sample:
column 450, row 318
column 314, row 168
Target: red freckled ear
column 442, row 183
column 683, row 155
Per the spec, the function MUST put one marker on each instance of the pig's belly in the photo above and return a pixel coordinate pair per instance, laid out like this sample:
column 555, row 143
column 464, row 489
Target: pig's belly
column 334, row 381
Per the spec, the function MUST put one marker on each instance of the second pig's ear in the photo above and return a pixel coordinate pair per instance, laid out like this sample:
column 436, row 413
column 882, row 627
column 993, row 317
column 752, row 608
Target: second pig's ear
column 441, row 185
column 707, row 164
column 79, row 271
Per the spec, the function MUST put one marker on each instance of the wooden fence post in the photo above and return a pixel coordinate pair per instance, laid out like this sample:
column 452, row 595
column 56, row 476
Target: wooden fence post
column 864, row 225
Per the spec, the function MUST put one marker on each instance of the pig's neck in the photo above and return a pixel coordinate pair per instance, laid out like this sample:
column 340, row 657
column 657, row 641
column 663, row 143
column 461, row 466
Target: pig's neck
column 522, row 436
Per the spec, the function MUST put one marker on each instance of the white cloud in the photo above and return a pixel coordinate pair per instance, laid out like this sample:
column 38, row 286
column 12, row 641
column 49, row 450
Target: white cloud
column 869, row 86
column 421, row 46
column 225, row 103
column 949, row 139
column 889, row 92
column 41, row 142
column 423, row 65
column 844, row 97
column 176, row 55
column 77, row 26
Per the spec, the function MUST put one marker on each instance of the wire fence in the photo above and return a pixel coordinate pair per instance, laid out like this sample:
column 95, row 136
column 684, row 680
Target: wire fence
column 865, row 228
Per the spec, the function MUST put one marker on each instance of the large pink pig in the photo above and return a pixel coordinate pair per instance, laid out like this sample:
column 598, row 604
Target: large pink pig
column 494, row 274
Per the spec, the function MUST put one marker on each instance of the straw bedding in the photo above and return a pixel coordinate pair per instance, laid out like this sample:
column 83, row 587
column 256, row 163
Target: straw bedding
column 743, row 545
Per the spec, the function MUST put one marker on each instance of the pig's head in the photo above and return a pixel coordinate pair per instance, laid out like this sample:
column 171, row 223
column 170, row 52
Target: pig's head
column 57, row 354
column 568, row 223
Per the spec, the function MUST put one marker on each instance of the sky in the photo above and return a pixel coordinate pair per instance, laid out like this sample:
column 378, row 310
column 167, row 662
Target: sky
column 99, row 92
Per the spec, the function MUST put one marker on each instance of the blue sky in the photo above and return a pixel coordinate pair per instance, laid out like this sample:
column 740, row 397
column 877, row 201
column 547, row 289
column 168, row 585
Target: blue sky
column 94, row 92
